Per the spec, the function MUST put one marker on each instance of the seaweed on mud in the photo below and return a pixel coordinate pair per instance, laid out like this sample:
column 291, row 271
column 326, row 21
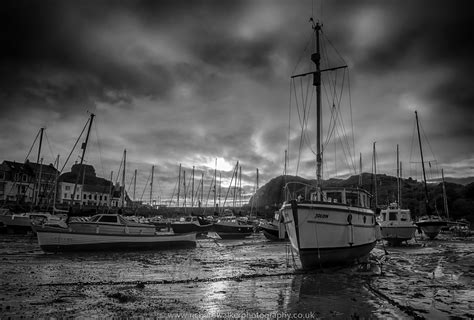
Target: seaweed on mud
column 122, row 297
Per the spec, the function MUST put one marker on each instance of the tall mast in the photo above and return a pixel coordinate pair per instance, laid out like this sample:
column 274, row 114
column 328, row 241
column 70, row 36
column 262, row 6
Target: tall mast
column 184, row 189
column 398, row 179
column 123, row 176
column 445, row 199
column 215, row 185
column 192, row 190
column 316, row 58
column 111, row 188
column 40, row 144
column 360, row 169
column 38, row 178
column 375, row 176
column 179, row 184
column 55, row 182
column 422, row 166
column 151, row 185
column 134, row 184
column 202, row 189
column 401, row 175
column 84, row 146
column 240, row 186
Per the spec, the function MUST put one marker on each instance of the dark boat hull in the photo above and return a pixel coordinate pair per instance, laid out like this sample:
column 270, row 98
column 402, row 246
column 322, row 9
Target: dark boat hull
column 190, row 227
column 233, row 232
column 271, row 233
column 314, row 259
column 431, row 227
column 61, row 240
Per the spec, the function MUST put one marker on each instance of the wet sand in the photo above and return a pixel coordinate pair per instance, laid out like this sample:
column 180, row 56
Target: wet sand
column 236, row 278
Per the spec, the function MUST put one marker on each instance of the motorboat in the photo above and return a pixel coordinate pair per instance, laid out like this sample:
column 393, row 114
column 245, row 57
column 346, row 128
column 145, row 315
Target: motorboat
column 108, row 231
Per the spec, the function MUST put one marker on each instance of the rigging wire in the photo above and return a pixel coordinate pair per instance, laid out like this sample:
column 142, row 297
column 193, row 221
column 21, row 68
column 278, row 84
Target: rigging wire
column 31, row 148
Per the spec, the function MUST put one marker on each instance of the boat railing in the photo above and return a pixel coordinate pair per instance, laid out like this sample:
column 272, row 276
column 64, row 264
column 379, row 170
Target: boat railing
column 308, row 193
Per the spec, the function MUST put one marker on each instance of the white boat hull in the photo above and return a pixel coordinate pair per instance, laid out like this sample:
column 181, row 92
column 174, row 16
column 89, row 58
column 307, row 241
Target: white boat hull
column 431, row 226
column 55, row 241
column 396, row 234
column 329, row 234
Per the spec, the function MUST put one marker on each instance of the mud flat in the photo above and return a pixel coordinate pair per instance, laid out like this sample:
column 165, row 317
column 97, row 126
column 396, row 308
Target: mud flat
column 236, row 278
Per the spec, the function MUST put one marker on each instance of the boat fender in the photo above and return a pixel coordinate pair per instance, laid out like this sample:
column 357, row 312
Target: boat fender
column 349, row 218
column 294, row 207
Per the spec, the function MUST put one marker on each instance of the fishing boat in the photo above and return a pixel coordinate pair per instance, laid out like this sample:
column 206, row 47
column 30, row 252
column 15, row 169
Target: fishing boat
column 430, row 224
column 21, row 222
column 107, row 232
column 191, row 224
column 326, row 226
column 274, row 230
column 229, row 226
column 396, row 223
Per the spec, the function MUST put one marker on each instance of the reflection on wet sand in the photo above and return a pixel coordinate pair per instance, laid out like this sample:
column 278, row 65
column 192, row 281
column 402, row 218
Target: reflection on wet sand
column 428, row 279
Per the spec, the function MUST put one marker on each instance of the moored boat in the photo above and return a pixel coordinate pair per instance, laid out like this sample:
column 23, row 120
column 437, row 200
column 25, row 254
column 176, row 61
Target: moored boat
column 396, row 224
column 334, row 227
column 191, row 224
column 274, row 230
column 21, row 222
column 325, row 226
column 108, row 231
column 430, row 224
column 231, row 227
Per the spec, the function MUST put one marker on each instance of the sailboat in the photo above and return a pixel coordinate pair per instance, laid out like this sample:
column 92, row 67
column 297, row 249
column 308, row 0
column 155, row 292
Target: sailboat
column 107, row 231
column 396, row 223
column 430, row 224
column 228, row 225
column 327, row 226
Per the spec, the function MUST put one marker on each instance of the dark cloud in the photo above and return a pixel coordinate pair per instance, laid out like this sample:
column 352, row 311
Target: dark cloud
column 190, row 81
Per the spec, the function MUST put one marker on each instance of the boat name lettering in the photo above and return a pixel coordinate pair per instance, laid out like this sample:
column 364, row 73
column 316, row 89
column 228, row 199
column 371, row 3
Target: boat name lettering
column 321, row 215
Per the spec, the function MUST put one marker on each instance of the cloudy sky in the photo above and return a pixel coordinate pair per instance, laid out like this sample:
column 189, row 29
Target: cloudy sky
column 194, row 81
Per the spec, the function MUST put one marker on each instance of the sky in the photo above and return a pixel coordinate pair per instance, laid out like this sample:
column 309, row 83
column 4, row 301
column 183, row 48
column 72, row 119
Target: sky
column 203, row 82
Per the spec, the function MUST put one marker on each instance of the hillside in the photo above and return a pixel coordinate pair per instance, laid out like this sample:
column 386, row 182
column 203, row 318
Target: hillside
column 460, row 198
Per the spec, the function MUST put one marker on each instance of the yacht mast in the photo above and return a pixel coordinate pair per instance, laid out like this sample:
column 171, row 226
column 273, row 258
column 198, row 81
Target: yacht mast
column 84, row 146
column 423, row 166
column 316, row 58
column 398, row 179
column 445, row 198
column 123, row 177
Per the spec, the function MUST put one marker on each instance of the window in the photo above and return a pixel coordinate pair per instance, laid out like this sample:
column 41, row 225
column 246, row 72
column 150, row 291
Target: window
column 112, row 219
column 84, row 196
column 2, row 175
column 65, row 196
column 67, row 188
column 105, row 198
column 17, row 177
column 24, row 178
column 90, row 197
column 392, row 216
column 95, row 197
column 100, row 198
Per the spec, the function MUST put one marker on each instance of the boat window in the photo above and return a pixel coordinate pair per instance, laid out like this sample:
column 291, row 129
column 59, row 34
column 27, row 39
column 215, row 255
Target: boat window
column 334, row 197
column 95, row 218
column 352, row 198
column 392, row 216
column 112, row 219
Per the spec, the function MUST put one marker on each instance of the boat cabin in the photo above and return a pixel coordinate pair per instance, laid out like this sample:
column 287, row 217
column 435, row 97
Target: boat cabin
column 309, row 194
column 394, row 213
